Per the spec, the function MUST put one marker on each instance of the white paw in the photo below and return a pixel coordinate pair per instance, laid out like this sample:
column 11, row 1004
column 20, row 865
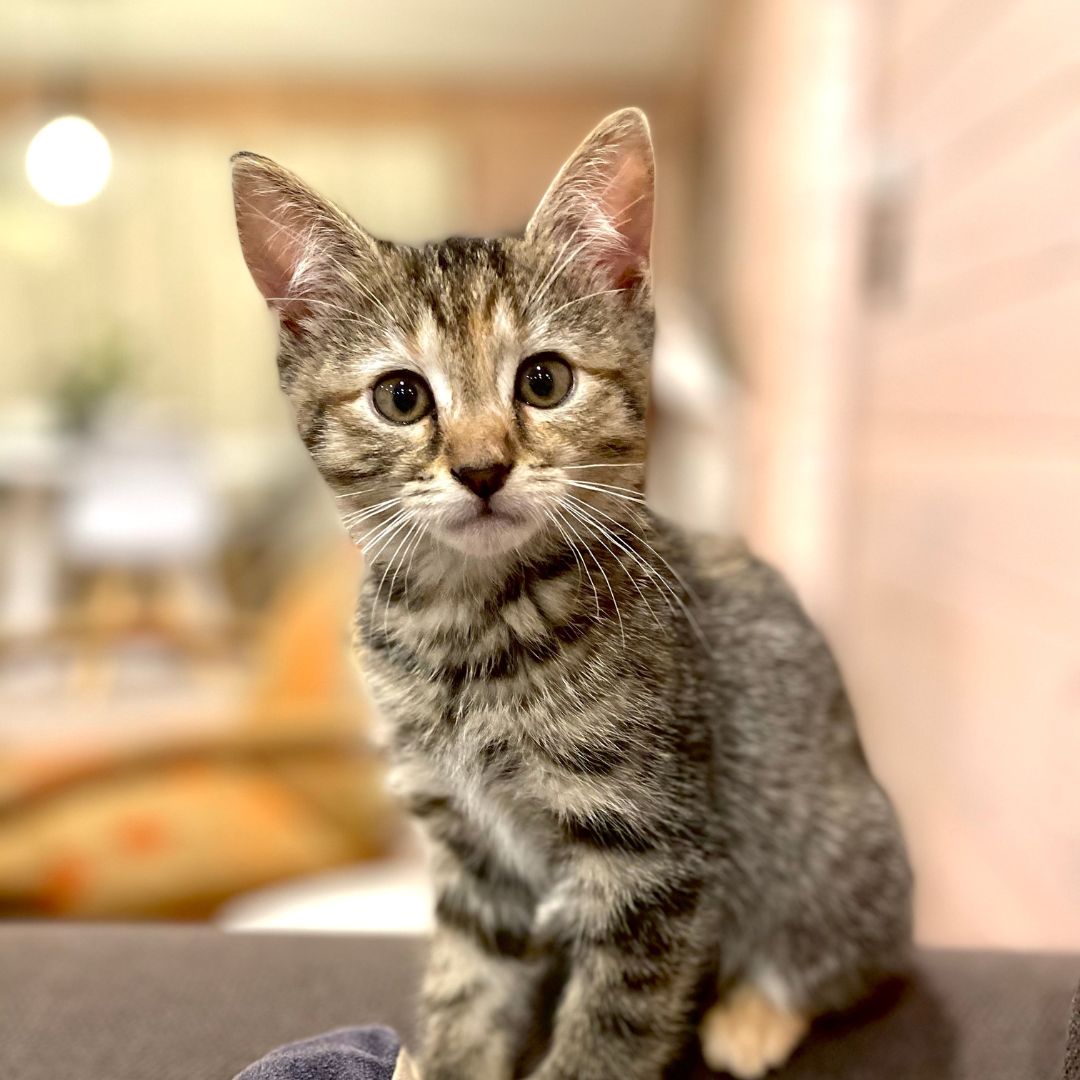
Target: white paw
column 746, row 1035
column 405, row 1069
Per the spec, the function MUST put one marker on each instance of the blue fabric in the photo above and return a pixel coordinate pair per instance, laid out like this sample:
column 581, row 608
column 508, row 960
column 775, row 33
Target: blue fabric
column 355, row 1053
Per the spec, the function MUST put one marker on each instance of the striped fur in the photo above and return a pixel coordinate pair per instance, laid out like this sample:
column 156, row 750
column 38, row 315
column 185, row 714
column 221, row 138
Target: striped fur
column 630, row 750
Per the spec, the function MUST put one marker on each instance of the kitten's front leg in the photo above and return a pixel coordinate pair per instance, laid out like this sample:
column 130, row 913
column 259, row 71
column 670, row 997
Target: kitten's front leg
column 473, row 1008
column 633, row 923
column 478, row 989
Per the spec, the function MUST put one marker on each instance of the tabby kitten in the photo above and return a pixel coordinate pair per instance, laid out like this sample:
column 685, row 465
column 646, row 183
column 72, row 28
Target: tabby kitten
column 630, row 750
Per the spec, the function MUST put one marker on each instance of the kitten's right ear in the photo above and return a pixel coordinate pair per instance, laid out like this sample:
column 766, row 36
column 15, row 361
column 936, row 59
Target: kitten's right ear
column 294, row 242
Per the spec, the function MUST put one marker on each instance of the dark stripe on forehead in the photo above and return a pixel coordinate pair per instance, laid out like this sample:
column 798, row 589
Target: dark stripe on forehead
column 456, row 275
column 461, row 254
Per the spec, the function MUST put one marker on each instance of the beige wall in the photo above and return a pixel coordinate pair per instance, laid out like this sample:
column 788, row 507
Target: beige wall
column 913, row 436
column 965, row 588
column 788, row 122
column 156, row 252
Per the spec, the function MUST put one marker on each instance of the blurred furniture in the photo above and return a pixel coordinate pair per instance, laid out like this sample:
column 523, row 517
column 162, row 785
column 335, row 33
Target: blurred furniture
column 175, row 817
column 141, row 528
column 195, row 1004
column 382, row 896
column 106, row 534
column 32, row 465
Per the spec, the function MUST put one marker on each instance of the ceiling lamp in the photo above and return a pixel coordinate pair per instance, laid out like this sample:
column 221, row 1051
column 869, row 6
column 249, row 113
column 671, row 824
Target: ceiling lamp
column 68, row 161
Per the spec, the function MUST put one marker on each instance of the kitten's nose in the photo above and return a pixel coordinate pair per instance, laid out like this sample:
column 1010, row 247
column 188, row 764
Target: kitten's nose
column 484, row 480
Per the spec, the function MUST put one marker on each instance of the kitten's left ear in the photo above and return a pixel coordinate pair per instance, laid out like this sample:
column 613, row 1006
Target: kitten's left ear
column 600, row 206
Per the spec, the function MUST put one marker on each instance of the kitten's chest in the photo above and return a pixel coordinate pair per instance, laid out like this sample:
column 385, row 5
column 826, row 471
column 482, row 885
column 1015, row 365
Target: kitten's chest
column 494, row 735
column 479, row 761
column 516, row 704
column 476, row 731
column 476, row 681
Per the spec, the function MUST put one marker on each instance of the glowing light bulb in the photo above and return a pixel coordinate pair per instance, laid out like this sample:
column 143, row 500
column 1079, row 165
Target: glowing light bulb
column 68, row 161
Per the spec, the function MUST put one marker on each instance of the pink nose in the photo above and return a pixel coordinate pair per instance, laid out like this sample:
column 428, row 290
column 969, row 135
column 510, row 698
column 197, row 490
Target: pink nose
column 484, row 480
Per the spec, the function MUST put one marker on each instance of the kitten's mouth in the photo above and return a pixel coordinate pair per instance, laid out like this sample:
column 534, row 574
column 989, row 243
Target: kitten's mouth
column 485, row 529
column 485, row 516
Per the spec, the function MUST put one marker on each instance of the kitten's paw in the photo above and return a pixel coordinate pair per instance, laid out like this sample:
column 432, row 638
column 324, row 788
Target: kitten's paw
column 746, row 1035
column 406, row 1068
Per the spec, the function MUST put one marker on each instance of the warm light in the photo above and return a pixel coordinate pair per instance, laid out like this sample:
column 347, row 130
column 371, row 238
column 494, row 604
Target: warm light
column 68, row 161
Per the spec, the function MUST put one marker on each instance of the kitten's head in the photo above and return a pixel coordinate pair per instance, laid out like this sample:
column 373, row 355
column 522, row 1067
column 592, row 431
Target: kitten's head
column 467, row 388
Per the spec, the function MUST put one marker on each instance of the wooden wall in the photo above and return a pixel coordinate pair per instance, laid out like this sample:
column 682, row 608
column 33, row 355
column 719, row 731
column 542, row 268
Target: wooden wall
column 897, row 255
column 963, row 589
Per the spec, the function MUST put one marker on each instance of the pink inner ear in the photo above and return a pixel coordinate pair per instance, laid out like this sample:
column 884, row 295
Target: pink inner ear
column 627, row 204
column 272, row 260
column 276, row 247
column 602, row 203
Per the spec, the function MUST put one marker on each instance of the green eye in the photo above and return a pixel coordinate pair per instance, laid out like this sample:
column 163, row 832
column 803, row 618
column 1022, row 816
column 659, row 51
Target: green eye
column 544, row 380
column 402, row 397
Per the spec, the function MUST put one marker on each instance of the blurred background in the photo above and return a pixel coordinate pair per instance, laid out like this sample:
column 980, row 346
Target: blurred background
column 868, row 271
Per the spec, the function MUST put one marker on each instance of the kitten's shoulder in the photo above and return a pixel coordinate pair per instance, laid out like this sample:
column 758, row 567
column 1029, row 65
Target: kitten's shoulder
column 725, row 565
column 746, row 596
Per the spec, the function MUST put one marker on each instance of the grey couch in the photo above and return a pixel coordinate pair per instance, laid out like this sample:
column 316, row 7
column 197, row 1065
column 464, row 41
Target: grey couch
column 189, row 1003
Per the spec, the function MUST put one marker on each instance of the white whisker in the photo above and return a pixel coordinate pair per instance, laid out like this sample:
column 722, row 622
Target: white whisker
column 603, row 573
column 577, row 555
column 600, row 532
column 675, row 573
column 371, row 552
column 369, row 511
column 606, row 465
column 412, row 555
column 411, row 538
column 611, row 490
column 358, row 491
column 358, row 516
column 586, row 507
column 408, row 525
column 580, row 300
column 374, row 535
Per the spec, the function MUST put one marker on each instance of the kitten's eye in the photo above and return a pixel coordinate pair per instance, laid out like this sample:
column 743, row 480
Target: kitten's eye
column 544, row 380
column 402, row 397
